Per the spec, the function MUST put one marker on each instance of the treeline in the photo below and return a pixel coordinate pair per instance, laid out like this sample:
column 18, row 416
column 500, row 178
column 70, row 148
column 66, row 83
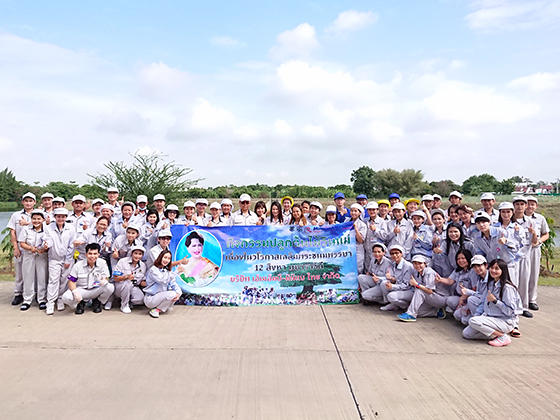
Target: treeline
column 411, row 183
column 152, row 174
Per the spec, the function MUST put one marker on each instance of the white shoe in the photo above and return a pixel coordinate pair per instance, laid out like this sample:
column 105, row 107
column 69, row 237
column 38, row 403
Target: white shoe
column 108, row 305
column 50, row 309
column 60, row 306
column 154, row 313
column 126, row 310
column 388, row 307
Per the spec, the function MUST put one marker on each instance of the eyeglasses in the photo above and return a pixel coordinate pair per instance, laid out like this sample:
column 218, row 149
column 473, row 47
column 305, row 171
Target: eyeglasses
column 244, row 202
column 165, row 238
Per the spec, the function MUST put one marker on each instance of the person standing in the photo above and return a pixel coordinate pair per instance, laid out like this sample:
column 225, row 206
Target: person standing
column 60, row 242
column 17, row 222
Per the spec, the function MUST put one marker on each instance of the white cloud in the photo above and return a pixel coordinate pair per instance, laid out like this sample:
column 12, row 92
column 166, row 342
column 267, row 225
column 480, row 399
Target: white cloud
column 123, row 121
column 457, row 64
column 5, row 144
column 312, row 130
column 225, row 41
column 338, row 118
column 538, row 82
column 203, row 120
column 512, row 14
column 299, row 42
column 147, row 150
column 456, row 101
column 282, row 127
column 159, row 81
column 352, row 20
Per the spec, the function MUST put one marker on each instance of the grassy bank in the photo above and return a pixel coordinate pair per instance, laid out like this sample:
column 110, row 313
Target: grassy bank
column 9, row 206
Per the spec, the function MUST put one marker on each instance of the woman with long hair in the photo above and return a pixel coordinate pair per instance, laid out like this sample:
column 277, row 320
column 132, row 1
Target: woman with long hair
column 497, row 314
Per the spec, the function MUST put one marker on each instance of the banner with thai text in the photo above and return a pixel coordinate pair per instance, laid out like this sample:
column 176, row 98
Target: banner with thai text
column 266, row 265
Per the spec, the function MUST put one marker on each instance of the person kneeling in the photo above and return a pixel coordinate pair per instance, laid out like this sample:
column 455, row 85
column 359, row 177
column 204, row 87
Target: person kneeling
column 88, row 280
column 428, row 298
column 162, row 291
column 130, row 276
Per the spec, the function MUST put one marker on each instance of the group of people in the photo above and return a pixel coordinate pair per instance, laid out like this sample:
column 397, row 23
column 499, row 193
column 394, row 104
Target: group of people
column 413, row 255
column 482, row 266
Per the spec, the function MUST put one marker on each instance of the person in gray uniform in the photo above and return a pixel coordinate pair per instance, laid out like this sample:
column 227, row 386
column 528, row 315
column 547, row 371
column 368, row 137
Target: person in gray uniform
column 541, row 230
column 371, row 283
column 89, row 279
column 17, row 222
column 398, row 288
column 498, row 312
column 161, row 291
column 34, row 261
column 130, row 277
column 60, row 242
column 430, row 295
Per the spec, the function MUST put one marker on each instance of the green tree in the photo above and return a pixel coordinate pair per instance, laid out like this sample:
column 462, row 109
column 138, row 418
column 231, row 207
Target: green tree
column 507, row 186
column 10, row 187
column 149, row 175
column 548, row 248
column 388, row 181
column 444, row 187
column 312, row 277
column 63, row 189
column 477, row 184
column 363, row 181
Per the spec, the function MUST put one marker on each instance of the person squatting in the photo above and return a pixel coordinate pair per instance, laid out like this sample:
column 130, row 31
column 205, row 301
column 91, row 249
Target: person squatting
column 480, row 266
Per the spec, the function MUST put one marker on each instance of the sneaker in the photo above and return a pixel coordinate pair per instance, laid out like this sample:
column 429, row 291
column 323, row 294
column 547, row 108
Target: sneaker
column 108, row 305
column 441, row 313
column 43, row 306
column 60, row 306
column 18, row 300
column 50, row 309
column 154, row 313
column 527, row 314
column 126, row 310
column 388, row 307
column 96, row 305
column 500, row 341
column 406, row 317
column 24, row 307
column 533, row 306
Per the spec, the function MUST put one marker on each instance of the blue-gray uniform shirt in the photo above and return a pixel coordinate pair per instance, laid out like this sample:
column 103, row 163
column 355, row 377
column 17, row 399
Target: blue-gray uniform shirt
column 403, row 238
column 492, row 249
column 466, row 278
column 402, row 272
column 379, row 268
column 507, row 307
column 422, row 245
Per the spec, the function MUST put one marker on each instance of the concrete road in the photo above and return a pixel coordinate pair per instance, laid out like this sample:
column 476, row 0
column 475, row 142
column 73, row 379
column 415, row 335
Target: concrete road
column 312, row 362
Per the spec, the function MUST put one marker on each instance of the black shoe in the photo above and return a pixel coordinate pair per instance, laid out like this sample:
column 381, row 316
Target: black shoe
column 43, row 306
column 532, row 306
column 80, row 308
column 96, row 305
column 527, row 314
column 18, row 300
column 24, row 307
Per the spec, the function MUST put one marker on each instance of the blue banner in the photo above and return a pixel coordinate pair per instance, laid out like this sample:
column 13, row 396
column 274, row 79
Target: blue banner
column 266, row 265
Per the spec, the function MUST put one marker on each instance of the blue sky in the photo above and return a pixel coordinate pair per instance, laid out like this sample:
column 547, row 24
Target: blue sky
column 281, row 92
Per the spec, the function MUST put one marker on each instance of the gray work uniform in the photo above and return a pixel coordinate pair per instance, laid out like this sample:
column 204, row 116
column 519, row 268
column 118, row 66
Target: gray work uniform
column 464, row 313
column 403, row 238
column 240, row 219
column 401, row 293
column 501, row 316
column 372, row 237
column 361, row 227
column 541, row 227
column 466, row 278
column 129, row 291
column 152, row 255
column 80, row 223
column 87, row 280
column 369, row 286
column 14, row 224
column 425, row 304
column 61, row 252
column 494, row 215
column 35, row 266
column 161, row 288
column 525, row 260
column 92, row 236
column 121, row 244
